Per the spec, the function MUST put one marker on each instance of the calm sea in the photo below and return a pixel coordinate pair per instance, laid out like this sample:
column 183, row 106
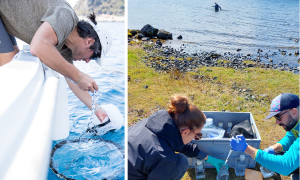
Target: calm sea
column 248, row 25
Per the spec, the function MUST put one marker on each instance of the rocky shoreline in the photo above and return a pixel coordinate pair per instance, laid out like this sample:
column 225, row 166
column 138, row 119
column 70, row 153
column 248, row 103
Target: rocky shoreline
column 165, row 58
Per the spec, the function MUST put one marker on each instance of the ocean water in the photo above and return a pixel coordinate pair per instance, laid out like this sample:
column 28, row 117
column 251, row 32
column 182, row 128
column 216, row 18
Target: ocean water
column 95, row 160
column 246, row 25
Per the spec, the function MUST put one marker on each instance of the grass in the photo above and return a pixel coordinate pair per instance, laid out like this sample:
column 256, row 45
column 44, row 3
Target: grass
column 222, row 88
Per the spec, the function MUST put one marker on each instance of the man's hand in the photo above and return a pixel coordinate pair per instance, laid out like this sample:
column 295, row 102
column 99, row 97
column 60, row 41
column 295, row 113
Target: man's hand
column 87, row 83
column 238, row 143
column 269, row 150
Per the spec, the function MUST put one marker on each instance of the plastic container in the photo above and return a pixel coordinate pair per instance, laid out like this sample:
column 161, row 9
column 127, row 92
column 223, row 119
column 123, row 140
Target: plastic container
column 219, row 148
column 266, row 172
column 223, row 173
column 199, row 169
column 240, row 166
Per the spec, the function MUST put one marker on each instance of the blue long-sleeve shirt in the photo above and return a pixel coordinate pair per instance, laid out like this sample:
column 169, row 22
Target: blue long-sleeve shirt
column 286, row 163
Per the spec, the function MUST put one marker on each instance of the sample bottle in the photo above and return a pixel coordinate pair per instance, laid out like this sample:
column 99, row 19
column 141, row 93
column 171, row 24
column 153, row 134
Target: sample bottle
column 240, row 166
column 229, row 128
column 199, row 169
column 223, row 173
column 266, row 172
column 221, row 125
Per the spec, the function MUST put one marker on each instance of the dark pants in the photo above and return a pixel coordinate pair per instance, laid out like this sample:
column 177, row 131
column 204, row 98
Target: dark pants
column 6, row 41
column 181, row 166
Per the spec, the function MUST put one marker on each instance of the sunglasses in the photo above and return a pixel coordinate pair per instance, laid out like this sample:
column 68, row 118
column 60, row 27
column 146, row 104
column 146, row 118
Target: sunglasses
column 197, row 137
column 277, row 117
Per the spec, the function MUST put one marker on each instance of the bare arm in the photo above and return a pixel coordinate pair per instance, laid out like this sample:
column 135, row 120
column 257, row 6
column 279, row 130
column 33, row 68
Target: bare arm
column 84, row 96
column 251, row 151
column 43, row 46
column 277, row 147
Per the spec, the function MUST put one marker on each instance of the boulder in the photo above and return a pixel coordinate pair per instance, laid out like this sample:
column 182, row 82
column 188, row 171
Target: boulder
column 149, row 31
column 140, row 36
column 133, row 32
column 179, row 37
column 162, row 34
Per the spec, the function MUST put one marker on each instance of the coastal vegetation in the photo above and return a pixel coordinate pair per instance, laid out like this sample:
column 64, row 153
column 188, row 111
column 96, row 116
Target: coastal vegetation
column 211, row 88
column 108, row 7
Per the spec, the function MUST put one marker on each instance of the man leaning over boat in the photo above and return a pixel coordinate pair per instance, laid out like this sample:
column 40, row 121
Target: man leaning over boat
column 56, row 37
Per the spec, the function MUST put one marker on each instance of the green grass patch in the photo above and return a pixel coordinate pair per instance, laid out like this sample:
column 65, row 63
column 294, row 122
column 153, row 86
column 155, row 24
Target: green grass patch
column 222, row 88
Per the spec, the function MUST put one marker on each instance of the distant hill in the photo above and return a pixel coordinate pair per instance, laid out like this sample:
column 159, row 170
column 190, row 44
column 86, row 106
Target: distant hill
column 108, row 7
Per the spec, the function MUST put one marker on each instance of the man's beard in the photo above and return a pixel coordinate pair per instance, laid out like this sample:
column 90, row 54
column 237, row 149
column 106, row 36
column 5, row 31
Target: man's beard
column 291, row 123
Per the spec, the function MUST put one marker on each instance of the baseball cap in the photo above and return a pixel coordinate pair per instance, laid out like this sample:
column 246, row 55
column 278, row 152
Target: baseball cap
column 105, row 41
column 283, row 102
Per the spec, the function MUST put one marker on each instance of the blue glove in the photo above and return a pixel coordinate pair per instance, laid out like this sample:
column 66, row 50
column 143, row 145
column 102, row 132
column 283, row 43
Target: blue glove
column 269, row 150
column 238, row 143
column 201, row 155
column 218, row 163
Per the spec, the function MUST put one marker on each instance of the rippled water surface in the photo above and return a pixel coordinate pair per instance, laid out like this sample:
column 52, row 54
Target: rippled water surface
column 248, row 25
column 95, row 160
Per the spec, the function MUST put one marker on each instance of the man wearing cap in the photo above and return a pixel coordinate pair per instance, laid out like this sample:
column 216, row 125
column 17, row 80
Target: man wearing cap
column 56, row 36
column 285, row 110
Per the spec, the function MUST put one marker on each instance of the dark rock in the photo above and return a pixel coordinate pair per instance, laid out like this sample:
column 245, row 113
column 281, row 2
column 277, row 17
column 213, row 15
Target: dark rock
column 209, row 70
column 133, row 32
column 140, row 36
column 238, row 49
column 158, row 42
column 296, row 40
column 149, row 31
column 146, row 87
column 179, row 37
column 290, row 54
column 128, row 78
column 296, row 52
column 162, row 34
column 214, row 78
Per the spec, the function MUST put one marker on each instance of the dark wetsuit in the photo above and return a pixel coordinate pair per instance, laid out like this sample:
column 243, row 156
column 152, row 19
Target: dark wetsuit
column 217, row 7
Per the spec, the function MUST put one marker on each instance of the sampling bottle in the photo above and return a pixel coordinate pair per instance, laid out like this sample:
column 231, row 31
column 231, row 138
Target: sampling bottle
column 199, row 169
column 223, row 173
column 266, row 172
column 221, row 125
column 229, row 128
column 240, row 166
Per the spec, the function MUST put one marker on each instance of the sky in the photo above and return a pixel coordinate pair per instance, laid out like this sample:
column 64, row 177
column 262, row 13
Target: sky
column 72, row 2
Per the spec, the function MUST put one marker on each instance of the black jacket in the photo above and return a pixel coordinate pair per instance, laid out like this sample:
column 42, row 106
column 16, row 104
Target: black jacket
column 151, row 147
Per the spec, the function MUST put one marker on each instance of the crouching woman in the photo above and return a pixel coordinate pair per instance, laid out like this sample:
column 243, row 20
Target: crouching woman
column 153, row 142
